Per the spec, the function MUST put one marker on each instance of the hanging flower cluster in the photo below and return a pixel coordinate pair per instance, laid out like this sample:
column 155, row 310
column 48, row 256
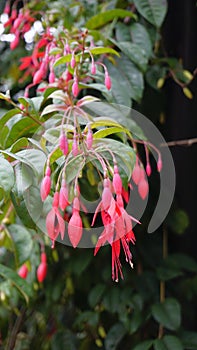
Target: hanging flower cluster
column 75, row 53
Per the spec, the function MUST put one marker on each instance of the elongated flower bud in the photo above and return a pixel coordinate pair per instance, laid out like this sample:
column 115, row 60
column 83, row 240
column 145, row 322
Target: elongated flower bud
column 63, row 143
column 107, row 81
column 136, row 174
column 117, row 182
column 45, row 187
column 15, row 42
column 106, row 195
column 75, row 88
column 73, row 62
column 43, row 257
column 41, row 272
column 75, row 149
column 159, row 164
column 63, row 196
column 23, row 271
column 89, row 139
column 75, row 228
column 93, row 68
column 51, row 77
column 143, row 188
column 148, row 169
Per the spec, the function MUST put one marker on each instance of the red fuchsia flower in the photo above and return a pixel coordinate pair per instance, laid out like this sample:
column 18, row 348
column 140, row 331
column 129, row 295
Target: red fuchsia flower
column 46, row 184
column 63, row 196
column 23, row 271
column 75, row 228
column 42, row 268
column 54, row 222
column 93, row 68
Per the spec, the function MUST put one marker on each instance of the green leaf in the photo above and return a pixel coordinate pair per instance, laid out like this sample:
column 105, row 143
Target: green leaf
column 96, row 294
column 73, row 167
column 64, row 339
column 159, row 345
column 103, row 18
column 168, row 313
column 134, row 52
column 108, row 131
column 172, row 342
column 23, row 127
column 128, row 77
column 189, row 340
column 153, row 11
column 114, row 336
column 19, row 144
column 21, row 285
column 6, row 175
column 33, row 203
column 86, row 54
column 136, row 33
column 145, row 345
column 22, row 241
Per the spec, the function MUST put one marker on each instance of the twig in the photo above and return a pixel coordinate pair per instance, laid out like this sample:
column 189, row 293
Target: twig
column 12, row 339
column 188, row 142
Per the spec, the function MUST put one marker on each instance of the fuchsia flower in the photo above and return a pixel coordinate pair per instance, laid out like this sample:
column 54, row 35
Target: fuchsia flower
column 45, row 185
column 23, row 271
column 75, row 224
column 54, row 222
column 63, row 143
column 107, row 81
column 63, row 196
column 117, row 225
column 42, row 268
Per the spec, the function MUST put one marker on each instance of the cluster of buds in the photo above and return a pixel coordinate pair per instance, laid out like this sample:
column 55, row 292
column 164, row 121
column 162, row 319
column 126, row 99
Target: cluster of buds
column 41, row 270
column 18, row 23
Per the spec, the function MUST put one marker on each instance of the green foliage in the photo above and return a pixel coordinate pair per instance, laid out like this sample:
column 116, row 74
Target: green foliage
column 77, row 306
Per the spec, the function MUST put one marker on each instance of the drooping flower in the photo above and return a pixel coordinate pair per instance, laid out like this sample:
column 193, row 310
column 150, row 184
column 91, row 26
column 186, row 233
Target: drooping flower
column 42, row 268
column 45, row 185
column 63, row 196
column 63, row 143
column 75, row 228
column 107, row 81
column 23, row 271
column 54, row 222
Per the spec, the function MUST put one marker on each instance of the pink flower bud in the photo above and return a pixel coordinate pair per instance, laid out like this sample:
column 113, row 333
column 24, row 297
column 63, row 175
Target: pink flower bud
column 148, row 169
column 93, row 68
column 41, row 272
column 117, row 182
column 89, row 139
column 106, row 196
column 107, row 81
column 143, row 188
column 63, row 143
column 7, row 9
column 63, row 196
column 75, row 150
column 73, row 62
column 14, row 14
column 43, row 258
column 159, row 164
column 75, row 88
column 136, row 174
column 45, row 187
column 51, row 77
column 55, row 200
column 15, row 42
column 75, row 228
column 23, row 271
